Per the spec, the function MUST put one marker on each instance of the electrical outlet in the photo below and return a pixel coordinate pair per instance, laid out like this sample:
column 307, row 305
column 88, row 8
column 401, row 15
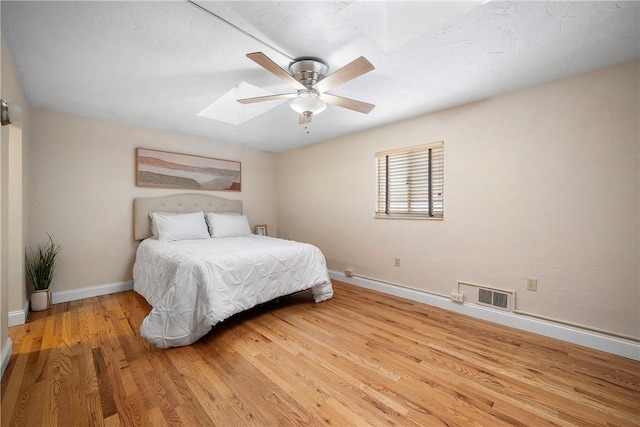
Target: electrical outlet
column 456, row 297
column 396, row 262
column 532, row 284
column 348, row 272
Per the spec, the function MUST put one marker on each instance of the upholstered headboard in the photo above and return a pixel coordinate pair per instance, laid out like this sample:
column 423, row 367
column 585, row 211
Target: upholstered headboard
column 142, row 207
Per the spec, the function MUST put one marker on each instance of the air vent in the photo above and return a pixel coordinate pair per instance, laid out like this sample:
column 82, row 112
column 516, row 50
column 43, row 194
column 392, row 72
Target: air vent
column 494, row 299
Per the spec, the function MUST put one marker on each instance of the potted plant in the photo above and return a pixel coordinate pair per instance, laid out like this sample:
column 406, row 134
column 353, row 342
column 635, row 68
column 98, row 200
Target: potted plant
column 39, row 265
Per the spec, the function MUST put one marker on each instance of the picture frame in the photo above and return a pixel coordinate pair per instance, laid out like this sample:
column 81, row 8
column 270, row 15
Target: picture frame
column 166, row 169
column 261, row 230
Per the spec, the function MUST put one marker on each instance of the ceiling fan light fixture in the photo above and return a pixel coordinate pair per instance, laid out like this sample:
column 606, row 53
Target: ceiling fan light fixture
column 308, row 103
column 307, row 76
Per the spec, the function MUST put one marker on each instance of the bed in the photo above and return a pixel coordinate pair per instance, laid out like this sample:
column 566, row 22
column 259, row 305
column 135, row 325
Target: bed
column 194, row 283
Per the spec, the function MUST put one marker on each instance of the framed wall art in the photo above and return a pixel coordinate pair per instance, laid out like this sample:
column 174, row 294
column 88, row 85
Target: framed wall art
column 165, row 169
column 261, row 230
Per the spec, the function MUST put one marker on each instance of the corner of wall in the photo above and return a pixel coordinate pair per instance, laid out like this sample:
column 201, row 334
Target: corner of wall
column 13, row 193
column 5, row 356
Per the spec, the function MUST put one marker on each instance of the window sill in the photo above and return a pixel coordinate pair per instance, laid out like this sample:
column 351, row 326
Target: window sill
column 423, row 218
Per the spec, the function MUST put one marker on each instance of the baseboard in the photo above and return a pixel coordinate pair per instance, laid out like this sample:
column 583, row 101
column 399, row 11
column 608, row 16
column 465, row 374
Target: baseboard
column 602, row 342
column 19, row 317
column 7, row 348
column 90, row 291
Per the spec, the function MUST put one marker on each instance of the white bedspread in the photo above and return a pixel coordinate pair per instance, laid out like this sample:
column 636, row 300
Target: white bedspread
column 194, row 284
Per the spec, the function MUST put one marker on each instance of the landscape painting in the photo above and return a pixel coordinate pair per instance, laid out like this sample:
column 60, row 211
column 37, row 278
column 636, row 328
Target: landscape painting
column 173, row 170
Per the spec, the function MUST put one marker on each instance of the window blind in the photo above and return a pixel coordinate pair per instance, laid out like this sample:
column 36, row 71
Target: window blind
column 411, row 182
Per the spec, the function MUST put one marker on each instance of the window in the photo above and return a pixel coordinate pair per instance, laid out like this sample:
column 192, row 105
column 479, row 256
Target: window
column 411, row 182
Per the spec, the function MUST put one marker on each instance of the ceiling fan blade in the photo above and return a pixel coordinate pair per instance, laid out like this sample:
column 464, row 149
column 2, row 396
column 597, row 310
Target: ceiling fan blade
column 266, row 98
column 303, row 120
column 351, row 104
column 354, row 69
column 266, row 63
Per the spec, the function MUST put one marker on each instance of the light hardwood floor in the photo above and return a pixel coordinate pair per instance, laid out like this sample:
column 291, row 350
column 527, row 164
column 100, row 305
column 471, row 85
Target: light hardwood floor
column 362, row 358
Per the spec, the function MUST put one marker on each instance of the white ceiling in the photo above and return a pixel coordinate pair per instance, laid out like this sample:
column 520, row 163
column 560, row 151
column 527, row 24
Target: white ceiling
column 158, row 64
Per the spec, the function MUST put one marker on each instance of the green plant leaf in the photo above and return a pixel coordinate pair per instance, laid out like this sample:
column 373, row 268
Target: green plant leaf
column 39, row 264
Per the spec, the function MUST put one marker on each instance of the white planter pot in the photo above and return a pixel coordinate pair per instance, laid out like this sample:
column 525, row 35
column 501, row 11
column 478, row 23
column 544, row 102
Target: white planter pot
column 41, row 300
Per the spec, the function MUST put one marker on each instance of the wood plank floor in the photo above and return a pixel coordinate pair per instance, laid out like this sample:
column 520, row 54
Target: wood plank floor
column 362, row 358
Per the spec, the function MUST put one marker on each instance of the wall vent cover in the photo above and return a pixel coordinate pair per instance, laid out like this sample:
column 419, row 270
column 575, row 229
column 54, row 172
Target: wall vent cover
column 494, row 299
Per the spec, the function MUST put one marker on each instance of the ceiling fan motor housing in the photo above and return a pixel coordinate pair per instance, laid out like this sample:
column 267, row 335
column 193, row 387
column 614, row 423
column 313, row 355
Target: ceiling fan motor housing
column 308, row 71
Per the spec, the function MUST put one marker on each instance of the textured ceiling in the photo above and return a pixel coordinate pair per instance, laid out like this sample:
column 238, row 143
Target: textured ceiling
column 159, row 64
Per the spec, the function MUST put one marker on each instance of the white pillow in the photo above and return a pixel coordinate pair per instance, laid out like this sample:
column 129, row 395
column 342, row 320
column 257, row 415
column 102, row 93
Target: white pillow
column 154, row 226
column 225, row 225
column 207, row 217
column 172, row 226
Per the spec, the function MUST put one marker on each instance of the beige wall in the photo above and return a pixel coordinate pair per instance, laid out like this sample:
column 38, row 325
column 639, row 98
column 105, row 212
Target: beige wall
column 83, row 186
column 13, row 171
column 540, row 183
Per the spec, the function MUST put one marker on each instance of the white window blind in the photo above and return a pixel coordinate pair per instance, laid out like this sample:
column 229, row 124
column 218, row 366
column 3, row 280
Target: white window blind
column 411, row 182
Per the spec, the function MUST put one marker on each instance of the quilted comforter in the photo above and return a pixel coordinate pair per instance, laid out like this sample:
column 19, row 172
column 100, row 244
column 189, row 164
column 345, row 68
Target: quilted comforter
column 194, row 284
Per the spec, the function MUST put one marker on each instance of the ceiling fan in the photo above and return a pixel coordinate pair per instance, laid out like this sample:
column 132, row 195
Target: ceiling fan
column 308, row 76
